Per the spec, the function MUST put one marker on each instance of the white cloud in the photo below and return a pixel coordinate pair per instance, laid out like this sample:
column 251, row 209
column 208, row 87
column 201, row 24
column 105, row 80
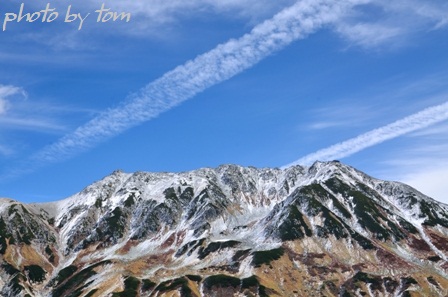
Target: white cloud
column 158, row 12
column 419, row 120
column 438, row 131
column 395, row 18
column 206, row 70
column 431, row 11
column 234, row 56
column 422, row 162
column 342, row 113
column 15, row 116
column 369, row 35
column 7, row 91
column 392, row 23
column 395, row 23
column 430, row 181
column 151, row 17
column 328, row 124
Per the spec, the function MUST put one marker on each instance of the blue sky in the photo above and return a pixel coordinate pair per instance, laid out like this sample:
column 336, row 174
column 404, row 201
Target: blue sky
column 190, row 84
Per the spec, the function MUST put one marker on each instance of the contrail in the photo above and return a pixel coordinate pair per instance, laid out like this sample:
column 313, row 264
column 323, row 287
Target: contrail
column 416, row 121
column 195, row 76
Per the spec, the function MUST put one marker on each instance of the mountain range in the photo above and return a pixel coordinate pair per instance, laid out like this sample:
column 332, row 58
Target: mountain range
column 321, row 230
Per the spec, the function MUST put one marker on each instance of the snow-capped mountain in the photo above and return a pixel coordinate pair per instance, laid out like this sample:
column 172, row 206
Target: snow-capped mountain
column 323, row 230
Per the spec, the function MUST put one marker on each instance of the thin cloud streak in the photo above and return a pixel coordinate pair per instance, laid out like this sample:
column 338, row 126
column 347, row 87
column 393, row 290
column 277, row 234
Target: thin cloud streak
column 40, row 125
column 420, row 120
column 195, row 76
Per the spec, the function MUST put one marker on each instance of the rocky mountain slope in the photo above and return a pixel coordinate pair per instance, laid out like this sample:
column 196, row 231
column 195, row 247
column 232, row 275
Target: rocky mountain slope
column 323, row 230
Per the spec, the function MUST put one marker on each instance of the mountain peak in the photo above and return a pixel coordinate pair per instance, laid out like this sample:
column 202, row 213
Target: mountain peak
column 228, row 231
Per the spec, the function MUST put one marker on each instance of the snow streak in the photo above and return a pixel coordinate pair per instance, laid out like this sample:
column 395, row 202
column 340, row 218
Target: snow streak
column 185, row 81
column 427, row 117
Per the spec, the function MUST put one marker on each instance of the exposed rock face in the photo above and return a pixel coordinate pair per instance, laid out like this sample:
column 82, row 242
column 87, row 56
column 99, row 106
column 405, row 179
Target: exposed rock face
column 324, row 230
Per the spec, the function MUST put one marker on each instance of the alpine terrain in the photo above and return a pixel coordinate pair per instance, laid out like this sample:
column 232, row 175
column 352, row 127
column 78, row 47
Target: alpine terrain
column 323, row 230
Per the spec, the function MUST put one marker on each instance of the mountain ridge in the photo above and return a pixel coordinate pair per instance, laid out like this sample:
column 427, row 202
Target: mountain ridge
column 229, row 231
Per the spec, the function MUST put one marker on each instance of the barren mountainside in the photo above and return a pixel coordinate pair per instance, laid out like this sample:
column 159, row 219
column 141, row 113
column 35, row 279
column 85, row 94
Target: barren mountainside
column 323, row 230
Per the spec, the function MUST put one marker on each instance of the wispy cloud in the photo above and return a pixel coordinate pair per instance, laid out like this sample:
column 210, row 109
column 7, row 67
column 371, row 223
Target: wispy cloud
column 432, row 11
column 394, row 24
column 163, row 12
column 421, row 162
column 153, row 18
column 424, row 167
column 420, row 120
column 7, row 91
column 328, row 124
column 369, row 35
column 16, row 113
column 394, row 18
column 236, row 55
column 195, row 76
column 334, row 115
column 31, row 124
column 439, row 131
column 397, row 22
column 19, row 114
